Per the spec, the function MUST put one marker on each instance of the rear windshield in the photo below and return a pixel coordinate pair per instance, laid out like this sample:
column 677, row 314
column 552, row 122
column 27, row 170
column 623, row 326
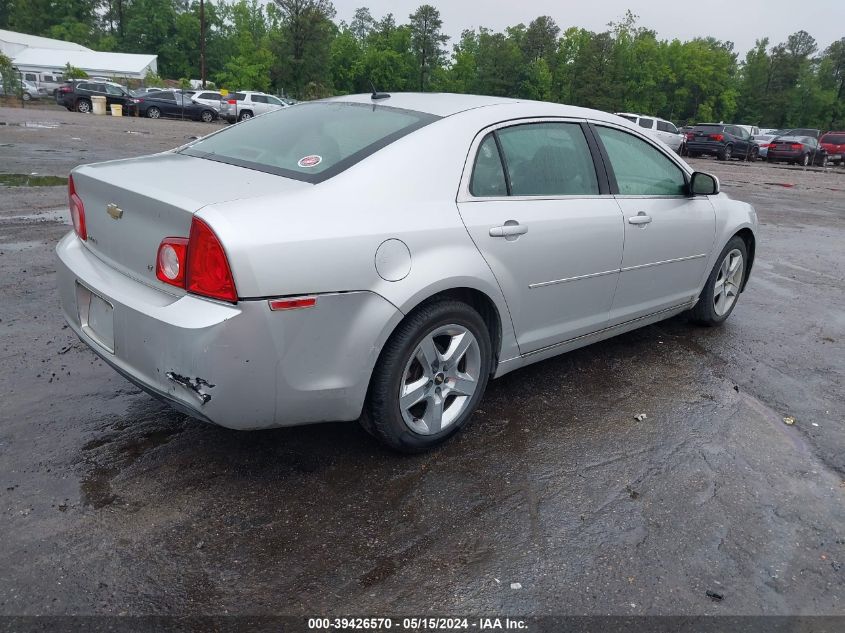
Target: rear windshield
column 708, row 129
column 310, row 141
column 837, row 139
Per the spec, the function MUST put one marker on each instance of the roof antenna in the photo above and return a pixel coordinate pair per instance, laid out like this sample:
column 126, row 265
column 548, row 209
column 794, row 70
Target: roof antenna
column 378, row 95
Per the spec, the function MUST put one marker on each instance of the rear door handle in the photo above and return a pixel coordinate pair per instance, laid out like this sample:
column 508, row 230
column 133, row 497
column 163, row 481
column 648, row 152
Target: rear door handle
column 510, row 229
column 641, row 219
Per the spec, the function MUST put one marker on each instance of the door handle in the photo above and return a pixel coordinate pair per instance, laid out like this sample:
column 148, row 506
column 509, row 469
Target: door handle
column 509, row 230
column 640, row 219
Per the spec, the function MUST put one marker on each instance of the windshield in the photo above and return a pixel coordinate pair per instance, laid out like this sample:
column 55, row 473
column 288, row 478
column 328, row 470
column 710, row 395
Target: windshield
column 311, row 141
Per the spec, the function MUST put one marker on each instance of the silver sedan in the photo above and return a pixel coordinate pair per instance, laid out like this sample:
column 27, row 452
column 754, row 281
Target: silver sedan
column 379, row 258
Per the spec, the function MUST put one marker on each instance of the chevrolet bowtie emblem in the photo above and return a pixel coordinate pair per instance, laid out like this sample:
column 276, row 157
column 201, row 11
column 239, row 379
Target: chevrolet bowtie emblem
column 114, row 211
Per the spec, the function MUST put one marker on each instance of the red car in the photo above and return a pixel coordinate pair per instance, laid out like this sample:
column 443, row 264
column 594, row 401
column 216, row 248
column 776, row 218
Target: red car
column 834, row 144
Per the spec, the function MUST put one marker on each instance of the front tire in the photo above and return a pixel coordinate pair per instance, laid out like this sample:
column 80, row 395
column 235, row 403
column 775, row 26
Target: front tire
column 725, row 154
column 429, row 378
column 245, row 116
column 805, row 160
column 721, row 292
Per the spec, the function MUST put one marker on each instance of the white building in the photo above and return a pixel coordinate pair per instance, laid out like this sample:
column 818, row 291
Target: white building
column 42, row 54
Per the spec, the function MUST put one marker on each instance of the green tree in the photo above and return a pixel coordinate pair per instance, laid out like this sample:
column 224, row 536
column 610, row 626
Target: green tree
column 427, row 41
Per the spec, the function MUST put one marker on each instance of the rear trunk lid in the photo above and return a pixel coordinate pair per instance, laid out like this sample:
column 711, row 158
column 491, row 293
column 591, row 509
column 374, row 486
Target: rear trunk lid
column 131, row 205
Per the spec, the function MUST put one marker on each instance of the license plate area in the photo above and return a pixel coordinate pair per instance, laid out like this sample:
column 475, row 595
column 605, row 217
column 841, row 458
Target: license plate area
column 96, row 317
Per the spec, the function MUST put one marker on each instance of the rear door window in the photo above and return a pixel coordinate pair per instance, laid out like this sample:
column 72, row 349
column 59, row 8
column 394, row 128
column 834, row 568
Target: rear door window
column 311, row 142
column 647, row 123
column 548, row 159
column 165, row 96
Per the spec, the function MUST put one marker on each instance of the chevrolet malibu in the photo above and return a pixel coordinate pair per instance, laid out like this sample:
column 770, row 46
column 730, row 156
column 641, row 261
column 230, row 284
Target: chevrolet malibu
column 380, row 258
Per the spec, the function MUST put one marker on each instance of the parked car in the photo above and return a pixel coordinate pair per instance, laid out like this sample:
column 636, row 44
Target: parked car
column 658, row 128
column 263, row 277
column 797, row 150
column 752, row 130
column 764, row 141
column 722, row 141
column 209, row 98
column 77, row 96
column 49, row 81
column 31, row 91
column 240, row 106
column 173, row 104
column 834, row 144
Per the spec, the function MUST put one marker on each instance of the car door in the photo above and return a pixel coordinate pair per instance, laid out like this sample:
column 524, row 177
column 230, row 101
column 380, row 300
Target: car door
column 668, row 234
column 166, row 102
column 115, row 95
column 538, row 209
column 260, row 104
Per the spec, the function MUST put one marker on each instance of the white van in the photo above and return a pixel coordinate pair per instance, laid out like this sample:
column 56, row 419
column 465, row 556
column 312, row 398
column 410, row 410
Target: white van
column 658, row 128
column 49, row 81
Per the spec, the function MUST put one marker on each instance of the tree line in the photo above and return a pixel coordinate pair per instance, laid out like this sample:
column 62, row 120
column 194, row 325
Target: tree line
column 297, row 47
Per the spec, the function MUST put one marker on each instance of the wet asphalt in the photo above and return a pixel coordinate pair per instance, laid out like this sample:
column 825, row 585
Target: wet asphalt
column 112, row 503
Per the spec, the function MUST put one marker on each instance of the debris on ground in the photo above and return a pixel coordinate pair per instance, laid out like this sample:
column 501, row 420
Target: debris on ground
column 789, row 420
column 715, row 597
column 516, row 585
column 640, row 417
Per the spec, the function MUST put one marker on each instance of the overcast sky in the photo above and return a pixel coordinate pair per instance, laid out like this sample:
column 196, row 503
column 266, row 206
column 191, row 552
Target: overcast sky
column 739, row 21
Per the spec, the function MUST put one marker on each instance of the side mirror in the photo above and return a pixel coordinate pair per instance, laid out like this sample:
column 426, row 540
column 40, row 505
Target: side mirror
column 702, row 184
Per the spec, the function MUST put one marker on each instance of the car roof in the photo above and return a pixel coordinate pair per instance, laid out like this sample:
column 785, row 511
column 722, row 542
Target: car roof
column 447, row 104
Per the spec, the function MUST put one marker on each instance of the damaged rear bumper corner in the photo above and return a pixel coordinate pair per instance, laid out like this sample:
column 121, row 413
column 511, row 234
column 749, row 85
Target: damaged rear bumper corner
column 240, row 366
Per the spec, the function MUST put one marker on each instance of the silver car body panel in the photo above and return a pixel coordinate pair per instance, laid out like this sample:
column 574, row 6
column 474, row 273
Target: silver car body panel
column 287, row 238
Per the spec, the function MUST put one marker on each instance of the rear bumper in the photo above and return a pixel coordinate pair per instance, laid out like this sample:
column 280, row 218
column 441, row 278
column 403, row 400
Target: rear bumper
column 705, row 148
column 781, row 155
column 240, row 366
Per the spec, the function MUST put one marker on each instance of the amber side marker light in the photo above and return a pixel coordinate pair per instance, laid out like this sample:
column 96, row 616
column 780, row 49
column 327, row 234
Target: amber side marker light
column 292, row 304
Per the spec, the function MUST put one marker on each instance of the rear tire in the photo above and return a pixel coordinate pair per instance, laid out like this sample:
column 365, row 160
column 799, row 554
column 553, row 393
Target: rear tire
column 441, row 390
column 805, row 160
column 26, row 96
column 726, row 153
column 724, row 284
column 692, row 154
column 245, row 116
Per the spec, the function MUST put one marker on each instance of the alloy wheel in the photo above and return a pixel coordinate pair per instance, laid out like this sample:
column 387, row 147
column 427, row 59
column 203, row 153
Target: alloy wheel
column 83, row 106
column 728, row 281
column 153, row 113
column 439, row 379
column 207, row 116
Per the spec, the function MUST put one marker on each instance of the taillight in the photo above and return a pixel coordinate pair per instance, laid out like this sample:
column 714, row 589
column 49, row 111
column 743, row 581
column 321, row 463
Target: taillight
column 77, row 210
column 717, row 137
column 690, row 136
column 766, row 145
column 231, row 102
column 172, row 261
column 797, row 146
column 208, row 272
column 198, row 264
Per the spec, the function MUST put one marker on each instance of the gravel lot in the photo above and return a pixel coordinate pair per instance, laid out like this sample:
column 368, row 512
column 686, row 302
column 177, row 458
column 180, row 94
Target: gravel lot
column 111, row 503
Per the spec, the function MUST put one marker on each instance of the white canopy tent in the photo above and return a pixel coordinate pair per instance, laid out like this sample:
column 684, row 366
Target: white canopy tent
column 95, row 63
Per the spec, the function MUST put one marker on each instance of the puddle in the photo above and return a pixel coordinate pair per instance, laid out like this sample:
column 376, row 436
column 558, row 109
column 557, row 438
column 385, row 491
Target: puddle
column 44, row 125
column 29, row 180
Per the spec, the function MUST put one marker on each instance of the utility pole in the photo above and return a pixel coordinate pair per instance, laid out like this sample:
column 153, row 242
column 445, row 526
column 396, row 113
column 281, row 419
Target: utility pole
column 202, row 43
